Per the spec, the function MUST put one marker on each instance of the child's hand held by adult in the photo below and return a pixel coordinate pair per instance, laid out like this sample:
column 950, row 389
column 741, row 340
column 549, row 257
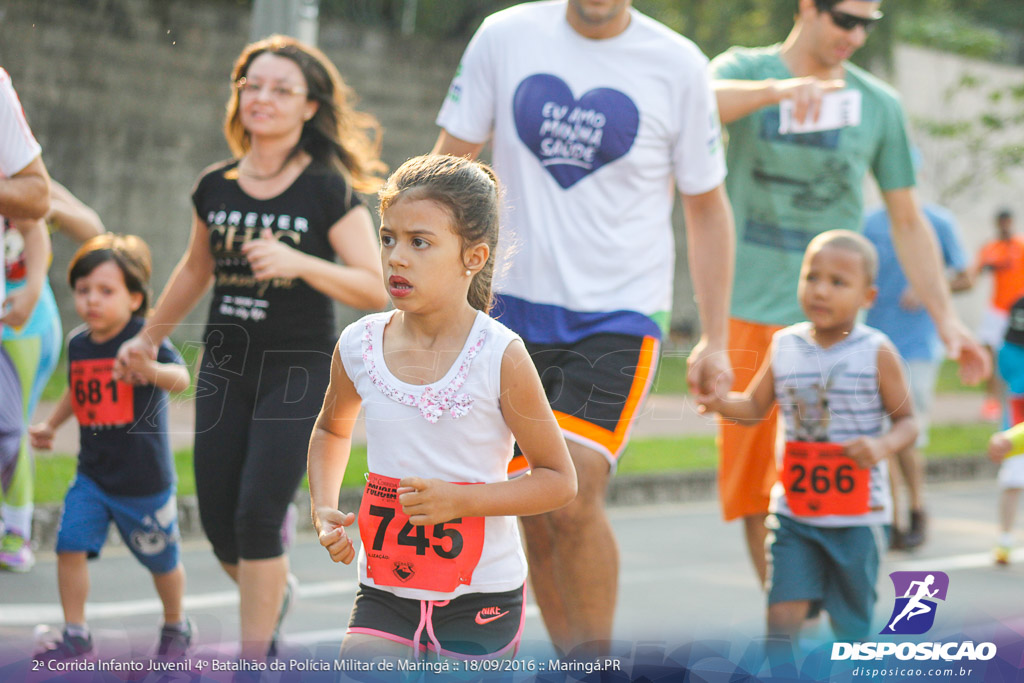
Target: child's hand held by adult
column 141, row 369
column 130, row 356
column 708, row 403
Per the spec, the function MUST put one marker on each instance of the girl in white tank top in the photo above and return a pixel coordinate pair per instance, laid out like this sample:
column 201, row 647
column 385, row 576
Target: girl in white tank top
column 446, row 390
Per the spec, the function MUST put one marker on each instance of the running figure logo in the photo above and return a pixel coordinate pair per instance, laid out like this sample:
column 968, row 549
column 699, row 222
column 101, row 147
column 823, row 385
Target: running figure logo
column 916, row 593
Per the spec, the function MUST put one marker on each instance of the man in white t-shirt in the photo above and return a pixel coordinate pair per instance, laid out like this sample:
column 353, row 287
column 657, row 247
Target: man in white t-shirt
column 24, row 193
column 24, row 183
column 596, row 115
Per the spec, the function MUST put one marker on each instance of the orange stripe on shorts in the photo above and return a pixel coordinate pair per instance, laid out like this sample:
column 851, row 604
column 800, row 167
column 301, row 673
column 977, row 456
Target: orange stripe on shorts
column 609, row 442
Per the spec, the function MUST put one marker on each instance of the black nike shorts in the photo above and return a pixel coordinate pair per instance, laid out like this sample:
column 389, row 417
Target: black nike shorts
column 469, row 626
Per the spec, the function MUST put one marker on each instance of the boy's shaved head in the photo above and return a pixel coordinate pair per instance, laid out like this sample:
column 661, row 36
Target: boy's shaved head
column 849, row 241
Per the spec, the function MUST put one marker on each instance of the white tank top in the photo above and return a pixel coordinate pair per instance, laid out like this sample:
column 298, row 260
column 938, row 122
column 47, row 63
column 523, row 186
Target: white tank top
column 831, row 395
column 452, row 430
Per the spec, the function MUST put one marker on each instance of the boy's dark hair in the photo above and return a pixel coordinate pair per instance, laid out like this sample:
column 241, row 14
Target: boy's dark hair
column 130, row 254
column 469, row 191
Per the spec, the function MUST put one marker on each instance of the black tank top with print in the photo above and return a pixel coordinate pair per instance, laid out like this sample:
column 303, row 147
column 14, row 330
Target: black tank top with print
column 247, row 315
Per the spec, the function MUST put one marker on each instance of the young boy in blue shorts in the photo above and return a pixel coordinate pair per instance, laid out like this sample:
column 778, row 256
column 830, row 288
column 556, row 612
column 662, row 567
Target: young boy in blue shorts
column 845, row 407
column 125, row 473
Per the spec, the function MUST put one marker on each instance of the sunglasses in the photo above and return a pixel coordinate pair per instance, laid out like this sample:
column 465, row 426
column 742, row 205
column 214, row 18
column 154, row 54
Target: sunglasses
column 848, row 22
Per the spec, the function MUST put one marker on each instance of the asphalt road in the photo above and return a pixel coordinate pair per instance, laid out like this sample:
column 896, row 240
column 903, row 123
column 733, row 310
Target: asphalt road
column 684, row 577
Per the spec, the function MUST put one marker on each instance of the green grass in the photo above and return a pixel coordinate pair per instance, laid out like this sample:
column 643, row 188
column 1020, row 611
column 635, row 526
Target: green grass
column 948, row 381
column 669, row 379
column 669, row 454
column 962, row 439
column 58, row 382
column 671, row 376
column 643, row 456
column 54, row 473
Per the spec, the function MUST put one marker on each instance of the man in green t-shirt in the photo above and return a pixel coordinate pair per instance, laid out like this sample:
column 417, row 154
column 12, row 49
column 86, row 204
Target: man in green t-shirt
column 805, row 126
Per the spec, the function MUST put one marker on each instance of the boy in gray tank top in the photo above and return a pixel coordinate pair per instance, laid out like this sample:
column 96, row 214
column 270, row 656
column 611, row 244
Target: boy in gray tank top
column 835, row 381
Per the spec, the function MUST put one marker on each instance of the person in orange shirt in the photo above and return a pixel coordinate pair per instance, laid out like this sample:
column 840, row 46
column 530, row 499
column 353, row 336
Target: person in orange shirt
column 1004, row 258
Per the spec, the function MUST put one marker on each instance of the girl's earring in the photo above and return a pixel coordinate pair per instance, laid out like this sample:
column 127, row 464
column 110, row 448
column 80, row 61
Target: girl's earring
column 468, row 272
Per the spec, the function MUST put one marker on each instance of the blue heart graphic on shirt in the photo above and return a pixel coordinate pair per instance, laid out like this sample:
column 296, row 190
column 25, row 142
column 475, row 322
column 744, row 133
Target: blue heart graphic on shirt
column 572, row 137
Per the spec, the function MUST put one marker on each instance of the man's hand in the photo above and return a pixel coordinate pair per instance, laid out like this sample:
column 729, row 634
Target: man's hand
column 708, row 403
column 974, row 359
column 806, row 94
column 709, row 372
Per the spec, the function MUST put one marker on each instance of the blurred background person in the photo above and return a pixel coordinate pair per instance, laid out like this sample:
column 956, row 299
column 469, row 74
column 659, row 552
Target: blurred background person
column 34, row 348
column 899, row 313
column 24, row 199
column 1003, row 257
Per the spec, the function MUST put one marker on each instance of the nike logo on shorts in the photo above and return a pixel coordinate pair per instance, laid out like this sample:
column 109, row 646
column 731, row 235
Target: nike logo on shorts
column 489, row 614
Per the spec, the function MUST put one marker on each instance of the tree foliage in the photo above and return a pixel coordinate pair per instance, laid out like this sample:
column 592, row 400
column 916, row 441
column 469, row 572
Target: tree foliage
column 986, row 142
column 981, row 144
column 966, row 27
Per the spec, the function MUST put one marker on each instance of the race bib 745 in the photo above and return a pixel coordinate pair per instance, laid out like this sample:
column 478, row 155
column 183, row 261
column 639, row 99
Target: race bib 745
column 438, row 558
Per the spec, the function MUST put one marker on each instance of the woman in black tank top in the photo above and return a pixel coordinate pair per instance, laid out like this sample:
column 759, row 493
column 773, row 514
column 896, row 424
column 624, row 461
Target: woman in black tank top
column 267, row 230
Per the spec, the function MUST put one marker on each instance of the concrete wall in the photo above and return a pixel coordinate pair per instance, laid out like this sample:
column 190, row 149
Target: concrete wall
column 127, row 97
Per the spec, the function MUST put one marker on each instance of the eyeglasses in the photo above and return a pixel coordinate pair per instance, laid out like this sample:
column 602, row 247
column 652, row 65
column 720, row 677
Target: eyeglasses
column 277, row 92
column 848, row 22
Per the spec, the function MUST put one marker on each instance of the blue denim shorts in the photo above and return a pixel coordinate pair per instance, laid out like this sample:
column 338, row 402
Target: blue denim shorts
column 148, row 524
